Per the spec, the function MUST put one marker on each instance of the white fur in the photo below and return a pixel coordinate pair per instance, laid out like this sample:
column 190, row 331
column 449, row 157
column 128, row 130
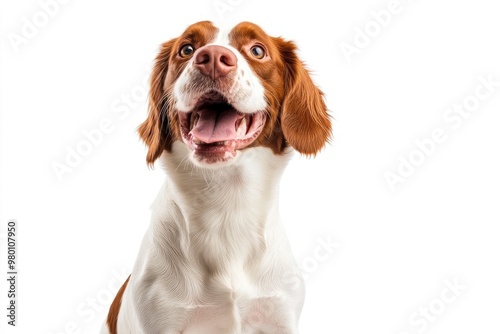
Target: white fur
column 215, row 259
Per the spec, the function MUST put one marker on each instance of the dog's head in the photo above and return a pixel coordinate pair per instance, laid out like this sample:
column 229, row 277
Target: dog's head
column 224, row 93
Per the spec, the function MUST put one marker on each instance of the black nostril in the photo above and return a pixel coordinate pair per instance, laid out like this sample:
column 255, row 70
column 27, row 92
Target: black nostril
column 225, row 61
column 205, row 59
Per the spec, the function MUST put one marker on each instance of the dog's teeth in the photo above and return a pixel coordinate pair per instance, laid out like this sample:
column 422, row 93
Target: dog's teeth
column 249, row 120
column 242, row 128
column 194, row 119
column 197, row 142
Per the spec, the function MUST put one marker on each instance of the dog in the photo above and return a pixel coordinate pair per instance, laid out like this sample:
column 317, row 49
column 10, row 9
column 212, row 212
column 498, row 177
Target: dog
column 227, row 108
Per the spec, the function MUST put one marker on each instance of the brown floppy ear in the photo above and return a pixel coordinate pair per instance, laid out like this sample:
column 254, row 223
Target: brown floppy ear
column 155, row 131
column 304, row 116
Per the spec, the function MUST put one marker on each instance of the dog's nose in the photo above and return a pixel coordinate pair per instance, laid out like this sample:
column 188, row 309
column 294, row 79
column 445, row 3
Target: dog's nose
column 215, row 61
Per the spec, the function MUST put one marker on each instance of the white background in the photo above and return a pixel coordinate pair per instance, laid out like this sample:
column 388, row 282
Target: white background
column 396, row 248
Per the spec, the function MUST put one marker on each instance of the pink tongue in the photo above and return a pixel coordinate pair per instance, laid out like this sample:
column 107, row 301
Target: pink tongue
column 214, row 126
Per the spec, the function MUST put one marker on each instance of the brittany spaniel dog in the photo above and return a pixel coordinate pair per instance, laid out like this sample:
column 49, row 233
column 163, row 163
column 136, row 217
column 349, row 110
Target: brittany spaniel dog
column 226, row 110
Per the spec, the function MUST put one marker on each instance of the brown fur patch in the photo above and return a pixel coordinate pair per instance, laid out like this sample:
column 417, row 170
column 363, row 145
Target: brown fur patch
column 161, row 127
column 296, row 111
column 114, row 309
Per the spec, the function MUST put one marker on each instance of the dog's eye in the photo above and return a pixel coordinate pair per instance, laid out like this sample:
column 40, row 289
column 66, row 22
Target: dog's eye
column 258, row 51
column 186, row 51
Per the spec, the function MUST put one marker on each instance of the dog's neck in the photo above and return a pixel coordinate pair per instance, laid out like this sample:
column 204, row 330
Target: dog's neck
column 225, row 214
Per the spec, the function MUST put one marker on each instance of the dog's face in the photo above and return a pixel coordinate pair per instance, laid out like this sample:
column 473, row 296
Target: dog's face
column 222, row 93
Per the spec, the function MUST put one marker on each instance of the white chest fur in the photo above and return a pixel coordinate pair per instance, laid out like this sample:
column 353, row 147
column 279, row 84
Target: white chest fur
column 216, row 258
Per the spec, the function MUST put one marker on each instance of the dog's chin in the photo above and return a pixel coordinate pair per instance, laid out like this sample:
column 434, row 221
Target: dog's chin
column 216, row 133
column 214, row 161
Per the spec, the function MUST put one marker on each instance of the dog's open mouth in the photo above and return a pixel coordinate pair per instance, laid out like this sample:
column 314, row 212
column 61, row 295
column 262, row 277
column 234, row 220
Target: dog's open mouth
column 214, row 130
